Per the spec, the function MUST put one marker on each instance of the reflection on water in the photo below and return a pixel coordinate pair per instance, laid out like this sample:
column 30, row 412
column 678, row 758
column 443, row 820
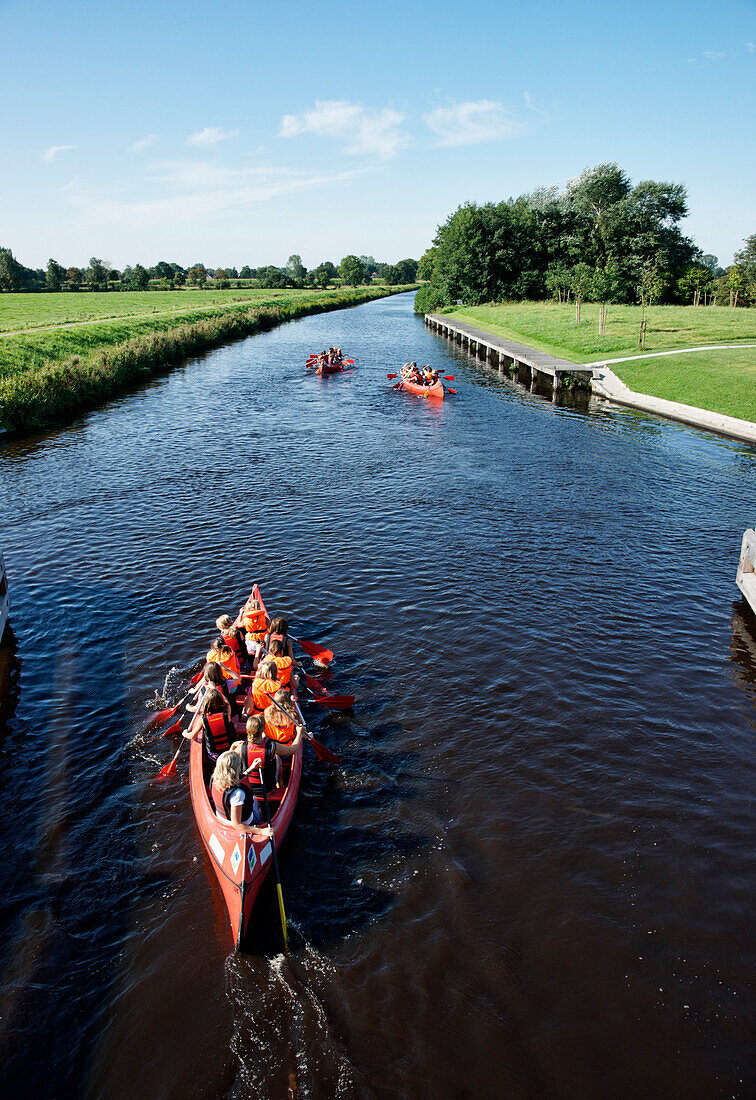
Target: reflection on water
column 532, row 874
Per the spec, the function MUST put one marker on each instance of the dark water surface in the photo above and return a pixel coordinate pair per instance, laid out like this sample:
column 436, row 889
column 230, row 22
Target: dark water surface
column 533, row 874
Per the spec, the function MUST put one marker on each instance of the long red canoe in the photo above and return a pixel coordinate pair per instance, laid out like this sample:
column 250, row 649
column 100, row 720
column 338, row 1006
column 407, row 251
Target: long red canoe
column 239, row 861
column 436, row 391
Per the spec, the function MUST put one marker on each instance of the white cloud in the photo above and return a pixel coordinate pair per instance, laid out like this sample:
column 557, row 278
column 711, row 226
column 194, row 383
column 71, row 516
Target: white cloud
column 211, row 135
column 145, row 143
column 472, row 123
column 196, row 191
column 50, row 154
column 714, row 55
column 751, row 47
column 366, row 133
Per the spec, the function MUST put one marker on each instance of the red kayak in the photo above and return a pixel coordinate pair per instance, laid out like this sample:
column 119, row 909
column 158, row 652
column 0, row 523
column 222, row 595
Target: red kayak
column 239, row 861
column 436, row 391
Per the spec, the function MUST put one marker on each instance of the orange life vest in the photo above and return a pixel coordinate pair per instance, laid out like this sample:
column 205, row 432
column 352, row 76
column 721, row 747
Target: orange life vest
column 255, row 624
column 260, row 691
column 231, row 663
column 283, row 733
column 284, row 666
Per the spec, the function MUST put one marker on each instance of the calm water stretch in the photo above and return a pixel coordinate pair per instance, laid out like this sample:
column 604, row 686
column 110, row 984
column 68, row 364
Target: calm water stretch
column 533, row 874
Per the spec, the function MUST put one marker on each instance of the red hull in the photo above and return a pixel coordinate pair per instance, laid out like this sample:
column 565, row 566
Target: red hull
column 240, row 862
column 436, row 391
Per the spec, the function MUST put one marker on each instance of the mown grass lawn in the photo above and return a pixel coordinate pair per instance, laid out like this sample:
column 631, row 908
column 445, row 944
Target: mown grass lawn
column 29, row 311
column 551, row 327
column 24, row 311
column 722, row 381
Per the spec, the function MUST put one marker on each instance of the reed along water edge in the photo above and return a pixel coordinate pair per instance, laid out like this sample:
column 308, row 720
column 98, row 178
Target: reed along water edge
column 532, row 875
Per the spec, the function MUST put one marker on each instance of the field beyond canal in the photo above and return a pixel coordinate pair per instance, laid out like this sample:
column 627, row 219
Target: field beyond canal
column 61, row 354
column 723, row 381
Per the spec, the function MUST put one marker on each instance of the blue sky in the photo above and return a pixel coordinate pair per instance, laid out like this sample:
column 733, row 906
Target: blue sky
column 239, row 132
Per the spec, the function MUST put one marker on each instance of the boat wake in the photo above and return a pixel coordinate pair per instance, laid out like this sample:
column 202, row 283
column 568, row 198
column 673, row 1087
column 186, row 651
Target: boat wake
column 283, row 1010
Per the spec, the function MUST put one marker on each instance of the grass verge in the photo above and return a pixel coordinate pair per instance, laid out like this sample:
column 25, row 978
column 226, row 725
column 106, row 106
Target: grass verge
column 48, row 378
column 722, row 381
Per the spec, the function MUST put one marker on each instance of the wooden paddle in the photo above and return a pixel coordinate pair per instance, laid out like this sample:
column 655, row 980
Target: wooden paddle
column 321, row 751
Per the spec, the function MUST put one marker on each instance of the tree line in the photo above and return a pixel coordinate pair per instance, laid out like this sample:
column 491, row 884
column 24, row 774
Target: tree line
column 99, row 275
column 601, row 239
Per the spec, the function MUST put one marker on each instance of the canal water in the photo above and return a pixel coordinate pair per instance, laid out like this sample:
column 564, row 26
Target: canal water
column 533, row 873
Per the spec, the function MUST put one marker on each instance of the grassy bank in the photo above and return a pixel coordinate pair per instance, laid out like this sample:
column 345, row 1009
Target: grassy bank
column 722, row 381
column 48, row 376
column 20, row 312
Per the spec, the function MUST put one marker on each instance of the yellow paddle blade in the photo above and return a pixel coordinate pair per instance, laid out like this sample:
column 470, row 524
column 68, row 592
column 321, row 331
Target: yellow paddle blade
column 283, row 917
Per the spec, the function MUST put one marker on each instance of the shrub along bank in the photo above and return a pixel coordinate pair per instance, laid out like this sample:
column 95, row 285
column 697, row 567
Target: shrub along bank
column 49, row 378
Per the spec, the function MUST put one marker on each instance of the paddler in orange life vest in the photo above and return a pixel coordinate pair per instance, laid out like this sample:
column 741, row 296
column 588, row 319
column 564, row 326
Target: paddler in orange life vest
column 283, row 663
column 259, row 751
column 280, row 723
column 255, row 622
column 264, row 684
column 232, row 635
column 224, row 655
column 232, row 798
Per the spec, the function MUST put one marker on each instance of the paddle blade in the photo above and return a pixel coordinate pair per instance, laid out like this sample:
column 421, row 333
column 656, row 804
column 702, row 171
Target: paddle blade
column 160, row 717
column 339, row 702
column 170, row 768
column 323, row 656
column 324, row 753
column 450, row 390
column 449, row 378
column 196, row 679
column 392, row 375
column 172, row 729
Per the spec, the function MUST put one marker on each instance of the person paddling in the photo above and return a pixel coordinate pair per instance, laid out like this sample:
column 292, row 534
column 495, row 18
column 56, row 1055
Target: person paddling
column 279, row 630
column 280, row 722
column 265, row 683
column 255, row 623
column 260, row 751
column 214, row 718
column 232, row 798
column 283, row 663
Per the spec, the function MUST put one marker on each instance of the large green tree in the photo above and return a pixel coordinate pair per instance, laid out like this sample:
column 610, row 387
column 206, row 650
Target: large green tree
column 352, row 271
column 55, row 275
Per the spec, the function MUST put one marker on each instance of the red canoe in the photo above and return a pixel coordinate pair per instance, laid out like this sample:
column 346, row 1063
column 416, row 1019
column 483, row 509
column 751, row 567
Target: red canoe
column 436, row 391
column 239, row 861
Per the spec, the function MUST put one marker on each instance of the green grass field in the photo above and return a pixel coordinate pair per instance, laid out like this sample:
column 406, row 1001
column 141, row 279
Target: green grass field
column 725, row 383
column 50, row 373
column 24, row 347
column 28, row 311
column 722, row 381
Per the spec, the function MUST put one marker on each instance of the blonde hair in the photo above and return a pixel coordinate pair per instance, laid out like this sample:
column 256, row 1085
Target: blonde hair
column 274, row 717
column 224, row 623
column 253, row 605
column 255, row 726
column 227, row 771
column 267, row 670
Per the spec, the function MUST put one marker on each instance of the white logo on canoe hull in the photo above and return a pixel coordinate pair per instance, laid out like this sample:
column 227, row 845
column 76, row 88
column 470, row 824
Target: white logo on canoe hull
column 217, row 848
